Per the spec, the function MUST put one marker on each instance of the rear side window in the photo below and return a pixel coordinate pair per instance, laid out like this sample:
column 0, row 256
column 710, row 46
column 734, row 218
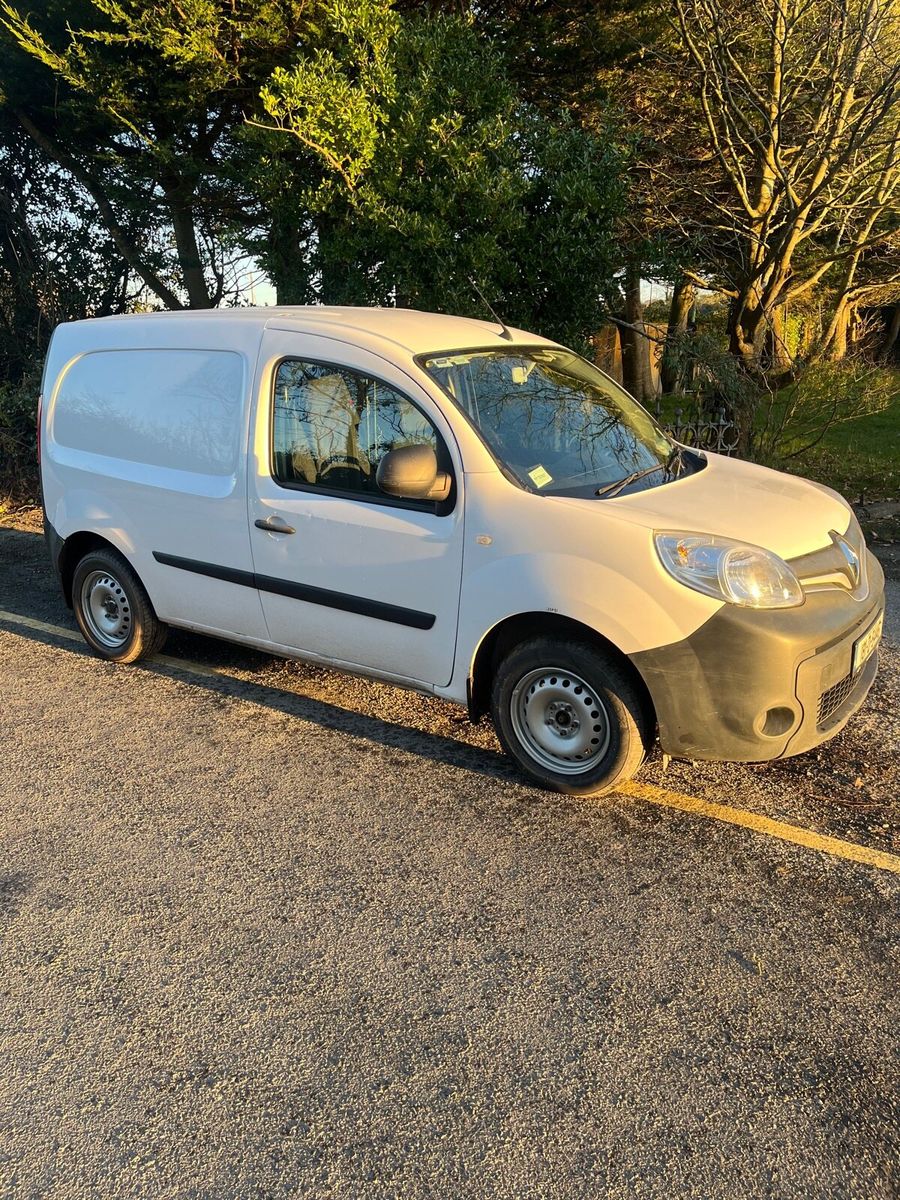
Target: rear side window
column 167, row 408
column 332, row 427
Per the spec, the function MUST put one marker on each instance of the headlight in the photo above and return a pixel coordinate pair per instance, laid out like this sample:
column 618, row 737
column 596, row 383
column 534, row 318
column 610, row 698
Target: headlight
column 731, row 571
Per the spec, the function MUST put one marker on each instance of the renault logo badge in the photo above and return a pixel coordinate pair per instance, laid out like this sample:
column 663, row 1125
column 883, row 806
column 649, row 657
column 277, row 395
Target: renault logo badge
column 849, row 554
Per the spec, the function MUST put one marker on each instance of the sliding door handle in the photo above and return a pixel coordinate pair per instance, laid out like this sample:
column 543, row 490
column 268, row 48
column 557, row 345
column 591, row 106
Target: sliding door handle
column 274, row 525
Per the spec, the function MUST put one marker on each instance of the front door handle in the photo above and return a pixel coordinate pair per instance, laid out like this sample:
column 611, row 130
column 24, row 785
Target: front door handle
column 274, row 525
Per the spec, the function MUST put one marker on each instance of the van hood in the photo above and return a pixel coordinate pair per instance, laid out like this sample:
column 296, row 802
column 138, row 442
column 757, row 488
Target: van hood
column 739, row 500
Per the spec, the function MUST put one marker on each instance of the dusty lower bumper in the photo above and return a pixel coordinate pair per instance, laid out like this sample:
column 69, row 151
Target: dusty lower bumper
column 750, row 686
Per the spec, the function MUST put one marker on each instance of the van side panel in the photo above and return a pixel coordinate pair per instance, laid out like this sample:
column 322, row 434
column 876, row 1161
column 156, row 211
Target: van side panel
column 146, row 446
column 175, row 410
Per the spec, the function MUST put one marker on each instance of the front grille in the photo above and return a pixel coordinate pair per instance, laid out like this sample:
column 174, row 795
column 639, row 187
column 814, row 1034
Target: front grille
column 831, row 701
column 829, row 567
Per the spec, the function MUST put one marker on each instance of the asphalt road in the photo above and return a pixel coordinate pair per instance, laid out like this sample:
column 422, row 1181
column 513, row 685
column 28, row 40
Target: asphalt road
column 269, row 931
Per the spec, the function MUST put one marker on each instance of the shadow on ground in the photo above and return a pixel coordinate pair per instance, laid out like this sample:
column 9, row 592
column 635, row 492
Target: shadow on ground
column 848, row 787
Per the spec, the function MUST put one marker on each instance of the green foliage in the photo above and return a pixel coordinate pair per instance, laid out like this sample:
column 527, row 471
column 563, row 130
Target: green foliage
column 714, row 379
column 333, row 99
column 859, row 456
column 778, row 425
column 141, row 101
column 795, row 420
column 359, row 153
column 56, row 263
column 435, row 173
column 18, row 447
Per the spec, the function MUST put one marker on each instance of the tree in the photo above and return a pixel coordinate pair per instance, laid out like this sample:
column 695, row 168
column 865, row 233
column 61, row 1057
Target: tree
column 587, row 58
column 357, row 151
column 56, row 264
column 436, row 173
column 139, row 101
column 796, row 179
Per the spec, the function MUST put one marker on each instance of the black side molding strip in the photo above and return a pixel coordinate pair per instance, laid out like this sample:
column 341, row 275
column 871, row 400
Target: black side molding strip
column 303, row 591
column 346, row 603
column 229, row 574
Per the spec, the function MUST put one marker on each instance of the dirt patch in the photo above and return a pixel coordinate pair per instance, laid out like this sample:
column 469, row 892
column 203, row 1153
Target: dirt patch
column 28, row 518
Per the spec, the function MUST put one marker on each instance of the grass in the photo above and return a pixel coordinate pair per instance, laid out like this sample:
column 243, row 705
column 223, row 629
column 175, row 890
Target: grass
column 859, row 457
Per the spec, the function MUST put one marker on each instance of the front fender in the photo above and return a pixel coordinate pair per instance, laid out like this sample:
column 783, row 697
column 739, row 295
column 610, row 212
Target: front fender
column 638, row 610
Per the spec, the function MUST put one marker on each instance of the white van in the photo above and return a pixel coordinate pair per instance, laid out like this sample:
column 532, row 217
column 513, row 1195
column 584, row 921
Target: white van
column 469, row 511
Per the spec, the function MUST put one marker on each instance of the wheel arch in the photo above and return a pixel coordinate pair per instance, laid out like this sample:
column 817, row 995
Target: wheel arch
column 73, row 550
column 513, row 630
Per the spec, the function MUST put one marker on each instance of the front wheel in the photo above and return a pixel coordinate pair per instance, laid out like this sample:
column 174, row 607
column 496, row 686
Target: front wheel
column 113, row 609
column 571, row 716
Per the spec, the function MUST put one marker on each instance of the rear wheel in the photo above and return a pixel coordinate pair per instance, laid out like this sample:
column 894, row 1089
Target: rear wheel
column 113, row 609
column 571, row 716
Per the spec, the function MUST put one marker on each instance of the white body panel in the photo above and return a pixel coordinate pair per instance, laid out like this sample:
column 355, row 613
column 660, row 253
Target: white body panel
column 501, row 552
column 381, row 553
column 736, row 499
column 140, row 506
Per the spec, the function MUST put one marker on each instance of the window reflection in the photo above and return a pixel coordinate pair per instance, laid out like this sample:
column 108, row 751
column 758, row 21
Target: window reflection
column 332, row 427
column 551, row 418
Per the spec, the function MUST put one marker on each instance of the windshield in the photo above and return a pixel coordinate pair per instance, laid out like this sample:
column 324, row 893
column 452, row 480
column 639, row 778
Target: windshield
column 555, row 422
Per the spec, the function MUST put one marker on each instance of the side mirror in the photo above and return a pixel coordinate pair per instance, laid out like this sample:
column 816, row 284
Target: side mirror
column 411, row 473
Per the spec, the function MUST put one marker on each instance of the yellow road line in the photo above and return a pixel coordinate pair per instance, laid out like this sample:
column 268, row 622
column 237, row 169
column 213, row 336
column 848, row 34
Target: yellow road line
column 73, row 635
column 184, row 664
column 760, row 824
column 30, row 623
column 780, row 830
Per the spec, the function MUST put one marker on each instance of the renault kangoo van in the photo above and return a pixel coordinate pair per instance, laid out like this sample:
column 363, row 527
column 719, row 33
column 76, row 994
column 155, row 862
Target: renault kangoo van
column 469, row 511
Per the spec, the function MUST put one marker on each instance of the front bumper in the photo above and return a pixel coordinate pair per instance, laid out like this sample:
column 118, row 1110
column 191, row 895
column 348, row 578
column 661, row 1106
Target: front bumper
column 751, row 685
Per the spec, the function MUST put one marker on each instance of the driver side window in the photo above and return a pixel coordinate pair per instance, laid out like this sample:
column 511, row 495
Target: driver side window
column 332, row 426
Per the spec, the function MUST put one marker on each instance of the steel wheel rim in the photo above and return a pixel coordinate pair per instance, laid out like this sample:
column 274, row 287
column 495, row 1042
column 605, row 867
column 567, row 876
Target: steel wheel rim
column 559, row 720
column 106, row 609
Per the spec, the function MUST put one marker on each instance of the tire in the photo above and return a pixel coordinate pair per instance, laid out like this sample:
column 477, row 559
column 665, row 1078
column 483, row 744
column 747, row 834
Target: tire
column 571, row 717
column 113, row 610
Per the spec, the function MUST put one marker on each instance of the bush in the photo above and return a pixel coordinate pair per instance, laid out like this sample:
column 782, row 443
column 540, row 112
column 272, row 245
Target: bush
column 778, row 424
column 18, row 443
column 711, row 379
column 793, row 422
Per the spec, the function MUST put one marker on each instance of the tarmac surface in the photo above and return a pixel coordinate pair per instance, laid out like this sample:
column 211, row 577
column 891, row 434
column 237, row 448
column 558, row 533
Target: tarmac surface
column 267, row 930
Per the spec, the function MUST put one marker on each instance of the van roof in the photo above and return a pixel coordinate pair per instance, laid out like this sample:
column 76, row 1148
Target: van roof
column 414, row 331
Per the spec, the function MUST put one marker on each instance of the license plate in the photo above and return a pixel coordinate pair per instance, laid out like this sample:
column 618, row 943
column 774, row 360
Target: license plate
column 864, row 647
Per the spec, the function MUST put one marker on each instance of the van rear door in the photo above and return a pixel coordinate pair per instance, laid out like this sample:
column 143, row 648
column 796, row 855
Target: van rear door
column 344, row 571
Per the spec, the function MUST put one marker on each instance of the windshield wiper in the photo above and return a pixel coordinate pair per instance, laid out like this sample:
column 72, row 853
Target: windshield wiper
column 613, row 489
column 672, row 467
